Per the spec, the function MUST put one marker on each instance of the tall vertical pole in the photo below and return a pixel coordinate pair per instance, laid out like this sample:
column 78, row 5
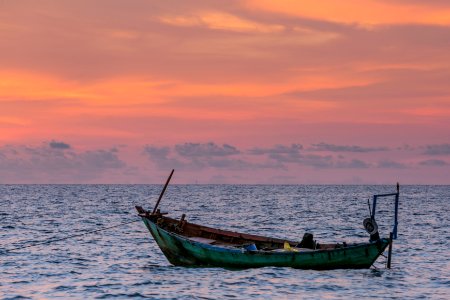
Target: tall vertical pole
column 396, row 211
column 389, row 251
column 374, row 207
column 162, row 192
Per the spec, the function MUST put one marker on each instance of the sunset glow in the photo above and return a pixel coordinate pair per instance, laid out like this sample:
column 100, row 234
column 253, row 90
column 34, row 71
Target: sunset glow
column 140, row 86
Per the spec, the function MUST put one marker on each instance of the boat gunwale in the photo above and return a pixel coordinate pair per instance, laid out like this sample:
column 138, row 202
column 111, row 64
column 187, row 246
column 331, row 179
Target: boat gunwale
column 239, row 249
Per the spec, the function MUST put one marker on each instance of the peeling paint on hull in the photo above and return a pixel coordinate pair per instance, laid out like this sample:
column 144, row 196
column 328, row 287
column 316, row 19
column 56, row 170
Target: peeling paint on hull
column 181, row 251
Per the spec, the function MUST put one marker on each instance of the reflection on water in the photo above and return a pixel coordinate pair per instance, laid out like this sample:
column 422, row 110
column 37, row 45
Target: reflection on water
column 125, row 262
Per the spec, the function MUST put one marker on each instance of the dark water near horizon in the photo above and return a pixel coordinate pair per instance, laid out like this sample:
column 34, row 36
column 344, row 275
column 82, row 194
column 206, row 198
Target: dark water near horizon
column 124, row 262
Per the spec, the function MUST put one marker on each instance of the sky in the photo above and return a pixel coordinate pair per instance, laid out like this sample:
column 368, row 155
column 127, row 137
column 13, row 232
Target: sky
column 239, row 92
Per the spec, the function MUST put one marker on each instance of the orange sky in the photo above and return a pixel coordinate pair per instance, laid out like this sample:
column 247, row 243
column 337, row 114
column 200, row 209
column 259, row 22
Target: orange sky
column 123, row 91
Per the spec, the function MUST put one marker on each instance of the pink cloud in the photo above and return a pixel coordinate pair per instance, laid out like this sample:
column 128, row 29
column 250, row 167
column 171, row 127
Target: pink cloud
column 247, row 74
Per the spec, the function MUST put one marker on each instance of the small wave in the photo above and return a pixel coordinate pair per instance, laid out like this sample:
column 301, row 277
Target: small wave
column 64, row 288
column 19, row 297
column 122, row 295
column 126, row 263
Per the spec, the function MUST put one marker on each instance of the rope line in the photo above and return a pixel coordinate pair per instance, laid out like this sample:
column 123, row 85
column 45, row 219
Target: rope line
column 69, row 237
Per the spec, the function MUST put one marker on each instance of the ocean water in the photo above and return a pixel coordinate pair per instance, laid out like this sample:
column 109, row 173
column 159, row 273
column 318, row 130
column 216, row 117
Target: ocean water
column 124, row 262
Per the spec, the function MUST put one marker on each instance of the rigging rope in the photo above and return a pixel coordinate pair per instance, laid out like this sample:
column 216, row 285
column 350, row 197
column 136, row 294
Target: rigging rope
column 68, row 237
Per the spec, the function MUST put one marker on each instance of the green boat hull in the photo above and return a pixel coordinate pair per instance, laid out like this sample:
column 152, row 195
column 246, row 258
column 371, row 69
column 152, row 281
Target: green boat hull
column 182, row 251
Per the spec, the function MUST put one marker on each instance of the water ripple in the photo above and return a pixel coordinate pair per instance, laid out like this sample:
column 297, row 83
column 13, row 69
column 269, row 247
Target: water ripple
column 124, row 262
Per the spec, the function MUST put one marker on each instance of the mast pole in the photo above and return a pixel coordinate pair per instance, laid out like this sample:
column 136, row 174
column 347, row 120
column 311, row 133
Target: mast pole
column 163, row 191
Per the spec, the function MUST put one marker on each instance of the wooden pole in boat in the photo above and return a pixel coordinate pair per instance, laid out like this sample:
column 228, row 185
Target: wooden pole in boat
column 390, row 250
column 163, row 191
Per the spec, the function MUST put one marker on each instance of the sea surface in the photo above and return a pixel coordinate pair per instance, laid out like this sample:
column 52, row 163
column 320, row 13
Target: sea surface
column 124, row 262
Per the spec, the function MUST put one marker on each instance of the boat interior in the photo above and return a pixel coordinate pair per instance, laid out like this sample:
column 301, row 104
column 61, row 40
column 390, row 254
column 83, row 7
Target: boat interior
column 225, row 238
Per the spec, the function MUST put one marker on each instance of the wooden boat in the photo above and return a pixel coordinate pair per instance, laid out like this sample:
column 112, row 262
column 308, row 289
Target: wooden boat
column 187, row 244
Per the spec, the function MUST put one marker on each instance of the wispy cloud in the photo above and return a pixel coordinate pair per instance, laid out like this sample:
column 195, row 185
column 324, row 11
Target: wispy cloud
column 59, row 145
column 56, row 162
column 442, row 149
column 197, row 156
column 365, row 13
column 353, row 164
column 390, row 164
column 205, row 150
column 220, row 21
column 279, row 157
column 277, row 149
column 161, row 157
column 434, row 163
column 345, row 148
